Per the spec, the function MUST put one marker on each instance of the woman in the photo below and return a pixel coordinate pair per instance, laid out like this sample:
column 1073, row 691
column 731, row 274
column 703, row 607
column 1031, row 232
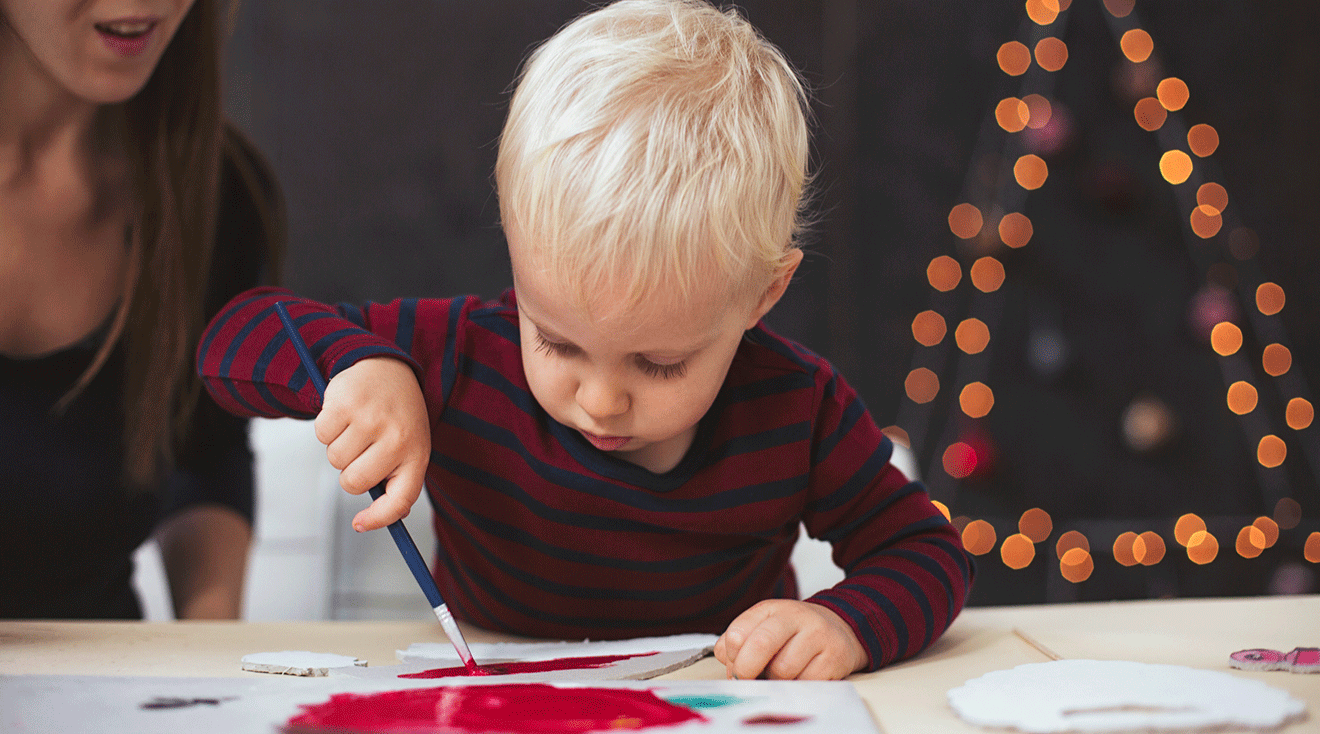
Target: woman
column 129, row 212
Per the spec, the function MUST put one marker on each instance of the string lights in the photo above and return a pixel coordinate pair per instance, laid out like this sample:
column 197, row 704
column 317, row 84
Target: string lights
column 957, row 349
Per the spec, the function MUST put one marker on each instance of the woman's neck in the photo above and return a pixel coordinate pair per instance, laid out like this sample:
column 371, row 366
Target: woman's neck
column 40, row 120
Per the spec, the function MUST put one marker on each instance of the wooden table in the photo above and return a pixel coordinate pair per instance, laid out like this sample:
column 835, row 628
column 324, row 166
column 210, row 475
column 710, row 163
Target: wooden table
column 905, row 697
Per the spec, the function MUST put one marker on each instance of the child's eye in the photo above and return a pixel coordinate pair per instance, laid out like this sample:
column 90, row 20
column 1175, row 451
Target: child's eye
column 662, row 371
column 549, row 347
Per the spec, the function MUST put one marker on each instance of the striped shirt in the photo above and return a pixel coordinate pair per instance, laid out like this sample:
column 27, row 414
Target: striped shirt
column 541, row 534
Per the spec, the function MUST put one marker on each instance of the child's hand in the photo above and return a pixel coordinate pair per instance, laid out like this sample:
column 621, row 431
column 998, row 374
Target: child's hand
column 789, row 639
column 374, row 426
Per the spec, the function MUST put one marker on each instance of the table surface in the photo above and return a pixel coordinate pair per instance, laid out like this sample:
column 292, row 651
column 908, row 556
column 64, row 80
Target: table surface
column 904, row 697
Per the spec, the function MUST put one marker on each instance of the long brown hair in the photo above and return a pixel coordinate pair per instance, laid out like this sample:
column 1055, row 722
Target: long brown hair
column 175, row 136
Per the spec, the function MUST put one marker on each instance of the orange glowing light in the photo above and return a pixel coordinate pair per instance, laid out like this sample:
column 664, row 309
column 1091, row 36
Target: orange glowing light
column 1051, row 53
column 1014, row 58
column 959, row 460
column 1187, row 526
column 1076, row 565
column 965, row 221
column 972, row 336
column 1123, row 549
column 1269, row 530
column 943, row 508
column 1039, row 111
column 1031, row 171
column 1225, row 338
column 1149, row 548
column 921, row 385
column 1036, row 524
column 976, row 399
column 1150, row 114
column 1246, row 544
column 1017, row 551
column 1015, row 229
column 1172, row 93
column 928, row 328
column 1137, row 45
column 1202, row 139
column 944, row 273
column 1300, row 413
column 1119, row 8
column 1311, row 551
column 987, row 274
column 1069, row 541
column 1276, row 360
column 1214, row 196
column 1242, row 397
column 978, row 537
column 1206, row 221
column 1202, row 547
column 1175, row 166
column 1287, row 513
column 1012, row 114
column 1042, row 12
column 1269, row 298
column 1271, row 451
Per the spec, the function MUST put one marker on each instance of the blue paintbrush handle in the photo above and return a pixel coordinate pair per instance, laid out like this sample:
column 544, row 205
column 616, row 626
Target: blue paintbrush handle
column 397, row 529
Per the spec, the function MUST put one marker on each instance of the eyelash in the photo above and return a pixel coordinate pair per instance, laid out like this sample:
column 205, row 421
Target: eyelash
column 661, row 371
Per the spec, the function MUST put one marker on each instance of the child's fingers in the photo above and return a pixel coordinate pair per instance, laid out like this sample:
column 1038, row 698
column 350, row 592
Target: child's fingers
column 760, row 645
column 731, row 642
column 401, row 491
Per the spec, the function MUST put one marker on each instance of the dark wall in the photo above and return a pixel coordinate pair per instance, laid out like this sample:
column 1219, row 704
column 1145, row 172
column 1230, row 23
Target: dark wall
column 381, row 120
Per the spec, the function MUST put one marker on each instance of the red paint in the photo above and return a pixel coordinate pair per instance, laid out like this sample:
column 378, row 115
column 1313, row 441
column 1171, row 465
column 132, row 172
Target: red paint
column 774, row 719
column 516, row 708
column 529, row 666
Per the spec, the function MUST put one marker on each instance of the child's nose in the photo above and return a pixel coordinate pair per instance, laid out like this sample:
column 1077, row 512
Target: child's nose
column 602, row 398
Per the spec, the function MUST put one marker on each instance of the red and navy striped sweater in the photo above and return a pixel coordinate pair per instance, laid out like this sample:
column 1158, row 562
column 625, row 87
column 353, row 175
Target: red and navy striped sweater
column 541, row 534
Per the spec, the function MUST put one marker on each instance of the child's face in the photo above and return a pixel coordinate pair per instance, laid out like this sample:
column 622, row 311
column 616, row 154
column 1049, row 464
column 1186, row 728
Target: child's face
column 633, row 382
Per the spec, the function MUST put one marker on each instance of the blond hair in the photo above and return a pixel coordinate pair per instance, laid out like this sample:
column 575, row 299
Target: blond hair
column 655, row 143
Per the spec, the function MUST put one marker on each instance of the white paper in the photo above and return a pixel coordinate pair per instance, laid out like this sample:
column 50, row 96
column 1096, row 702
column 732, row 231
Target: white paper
column 58, row 704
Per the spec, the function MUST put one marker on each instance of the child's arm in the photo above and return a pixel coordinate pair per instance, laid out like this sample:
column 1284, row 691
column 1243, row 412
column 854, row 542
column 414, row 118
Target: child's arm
column 907, row 573
column 374, row 419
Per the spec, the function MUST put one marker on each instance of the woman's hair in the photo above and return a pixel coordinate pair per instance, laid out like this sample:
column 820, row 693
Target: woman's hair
column 175, row 137
column 655, row 142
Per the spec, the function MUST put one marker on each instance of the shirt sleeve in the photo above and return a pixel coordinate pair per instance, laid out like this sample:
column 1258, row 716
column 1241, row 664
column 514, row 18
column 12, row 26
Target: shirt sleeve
column 249, row 366
column 907, row 575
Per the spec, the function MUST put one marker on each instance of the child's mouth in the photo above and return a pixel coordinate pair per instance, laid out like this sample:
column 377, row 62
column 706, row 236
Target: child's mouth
column 606, row 443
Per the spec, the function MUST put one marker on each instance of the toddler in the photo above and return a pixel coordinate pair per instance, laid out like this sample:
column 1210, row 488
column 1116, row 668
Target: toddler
column 618, row 447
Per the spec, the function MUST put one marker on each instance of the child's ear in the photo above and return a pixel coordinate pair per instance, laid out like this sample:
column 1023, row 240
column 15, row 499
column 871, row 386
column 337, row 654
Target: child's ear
column 776, row 289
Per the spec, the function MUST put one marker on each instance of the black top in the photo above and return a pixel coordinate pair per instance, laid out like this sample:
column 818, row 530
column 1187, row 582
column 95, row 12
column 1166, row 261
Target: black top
column 71, row 525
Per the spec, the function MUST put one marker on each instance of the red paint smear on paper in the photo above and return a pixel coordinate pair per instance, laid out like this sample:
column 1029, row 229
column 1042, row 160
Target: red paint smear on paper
column 772, row 719
column 529, row 666
column 517, row 708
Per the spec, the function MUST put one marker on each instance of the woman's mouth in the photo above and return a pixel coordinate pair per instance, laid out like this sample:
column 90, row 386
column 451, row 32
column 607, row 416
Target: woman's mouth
column 128, row 36
column 606, row 443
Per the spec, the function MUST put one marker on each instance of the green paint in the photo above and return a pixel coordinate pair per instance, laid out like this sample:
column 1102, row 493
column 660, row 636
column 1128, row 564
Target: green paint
column 708, row 701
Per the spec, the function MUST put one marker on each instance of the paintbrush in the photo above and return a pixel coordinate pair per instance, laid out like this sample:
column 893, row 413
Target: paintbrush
column 397, row 529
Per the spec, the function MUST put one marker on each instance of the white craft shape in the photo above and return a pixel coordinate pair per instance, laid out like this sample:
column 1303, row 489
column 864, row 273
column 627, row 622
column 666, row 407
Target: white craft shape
column 1120, row 696
column 298, row 662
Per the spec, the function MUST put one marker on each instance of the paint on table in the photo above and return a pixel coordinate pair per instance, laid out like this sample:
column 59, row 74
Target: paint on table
column 526, row 666
column 1300, row 660
column 517, row 708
